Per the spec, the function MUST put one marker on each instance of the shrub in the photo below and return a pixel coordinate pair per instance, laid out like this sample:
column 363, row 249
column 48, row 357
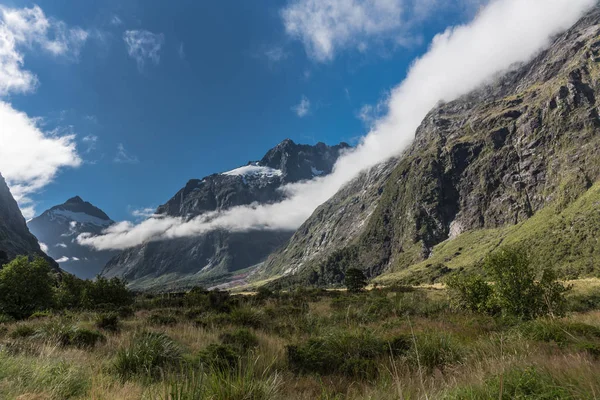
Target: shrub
column 68, row 335
column 435, row 351
column 70, row 292
column 355, row 280
column 471, row 293
column 111, row 293
column 149, row 356
column 25, row 287
column 518, row 383
column 40, row 314
column 108, row 322
column 162, row 320
column 85, row 338
column 516, row 290
column 242, row 339
column 220, row 357
column 6, row 319
column 22, row 331
column 247, row 317
column 559, row 332
column 343, row 353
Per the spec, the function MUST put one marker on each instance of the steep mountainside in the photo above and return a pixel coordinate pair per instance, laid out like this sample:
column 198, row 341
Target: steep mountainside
column 220, row 255
column 492, row 159
column 15, row 238
column 58, row 228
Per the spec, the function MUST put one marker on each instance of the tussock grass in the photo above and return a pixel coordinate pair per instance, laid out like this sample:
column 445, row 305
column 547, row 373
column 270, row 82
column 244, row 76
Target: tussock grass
column 380, row 344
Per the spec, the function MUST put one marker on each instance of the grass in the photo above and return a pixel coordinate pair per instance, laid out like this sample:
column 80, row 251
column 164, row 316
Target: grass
column 386, row 343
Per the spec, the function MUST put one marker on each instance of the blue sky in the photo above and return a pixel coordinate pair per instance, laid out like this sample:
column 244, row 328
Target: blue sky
column 227, row 81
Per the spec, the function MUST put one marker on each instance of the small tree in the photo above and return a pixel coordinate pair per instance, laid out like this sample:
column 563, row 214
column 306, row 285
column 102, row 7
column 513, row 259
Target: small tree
column 516, row 290
column 103, row 293
column 355, row 280
column 25, row 287
column 471, row 293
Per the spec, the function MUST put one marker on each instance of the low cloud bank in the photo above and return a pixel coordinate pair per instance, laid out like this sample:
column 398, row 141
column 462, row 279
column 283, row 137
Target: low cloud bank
column 459, row 60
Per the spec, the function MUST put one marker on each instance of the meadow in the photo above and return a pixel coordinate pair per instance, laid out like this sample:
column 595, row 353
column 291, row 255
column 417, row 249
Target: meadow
column 394, row 342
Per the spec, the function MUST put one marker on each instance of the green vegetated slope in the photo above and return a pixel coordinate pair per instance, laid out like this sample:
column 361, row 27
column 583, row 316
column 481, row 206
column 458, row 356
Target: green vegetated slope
column 479, row 169
column 567, row 239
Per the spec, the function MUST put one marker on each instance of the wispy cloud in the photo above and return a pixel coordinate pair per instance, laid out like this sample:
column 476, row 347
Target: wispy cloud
column 143, row 45
column 115, row 20
column 90, row 141
column 143, row 213
column 504, row 33
column 326, row 27
column 181, row 51
column 123, row 157
column 302, row 109
column 276, row 54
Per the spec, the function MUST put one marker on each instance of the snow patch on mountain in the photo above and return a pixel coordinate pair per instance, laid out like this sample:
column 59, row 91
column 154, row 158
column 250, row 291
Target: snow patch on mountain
column 254, row 170
column 82, row 218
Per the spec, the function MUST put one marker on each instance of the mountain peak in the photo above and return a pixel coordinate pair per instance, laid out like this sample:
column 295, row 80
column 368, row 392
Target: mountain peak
column 75, row 200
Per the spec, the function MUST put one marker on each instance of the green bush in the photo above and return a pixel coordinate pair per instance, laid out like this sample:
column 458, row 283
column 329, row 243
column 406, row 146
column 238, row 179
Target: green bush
column 247, row 317
column 355, row 280
column 22, row 331
column 557, row 331
column 107, row 293
column 341, row 353
column 108, row 322
column 435, row 350
column 471, row 293
column 66, row 335
column 149, row 355
column 242, row 339
column 518, row 383
column 220, row 357
column 25, row 287
column 516, row 290
column 159, row 319
column 6, row 319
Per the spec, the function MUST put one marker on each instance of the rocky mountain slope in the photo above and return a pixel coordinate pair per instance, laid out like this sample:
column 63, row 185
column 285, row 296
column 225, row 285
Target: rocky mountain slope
column 15, row 238
column 490, row 160
column 221, row 255
column 58, row 228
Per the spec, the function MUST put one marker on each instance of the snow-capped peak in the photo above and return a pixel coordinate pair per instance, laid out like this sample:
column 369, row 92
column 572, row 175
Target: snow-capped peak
column 254, row 170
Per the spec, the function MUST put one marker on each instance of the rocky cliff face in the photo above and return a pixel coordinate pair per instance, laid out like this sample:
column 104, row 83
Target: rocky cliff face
column 220, row 255
column 58, row 228
column 15, row 238
column 488, row 160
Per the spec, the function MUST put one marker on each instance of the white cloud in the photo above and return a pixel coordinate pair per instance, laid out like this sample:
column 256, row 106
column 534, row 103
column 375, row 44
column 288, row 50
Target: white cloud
column 369, row 114
column 44, row 247
column 90, row 141
column 276, row 54
column 29, row 157
column 123, row 157
column 328, row 26
column 64, row 246
column 459, row 60
column 27, row 28
column 115, row 20
column 143, row 45
column 63, row 259
column 302, row 109
column 143, row 213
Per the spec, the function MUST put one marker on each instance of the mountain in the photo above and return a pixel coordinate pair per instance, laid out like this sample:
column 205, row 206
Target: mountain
column 15, row 238
column 58, row 228
column 221, row 256
column 513, row 162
